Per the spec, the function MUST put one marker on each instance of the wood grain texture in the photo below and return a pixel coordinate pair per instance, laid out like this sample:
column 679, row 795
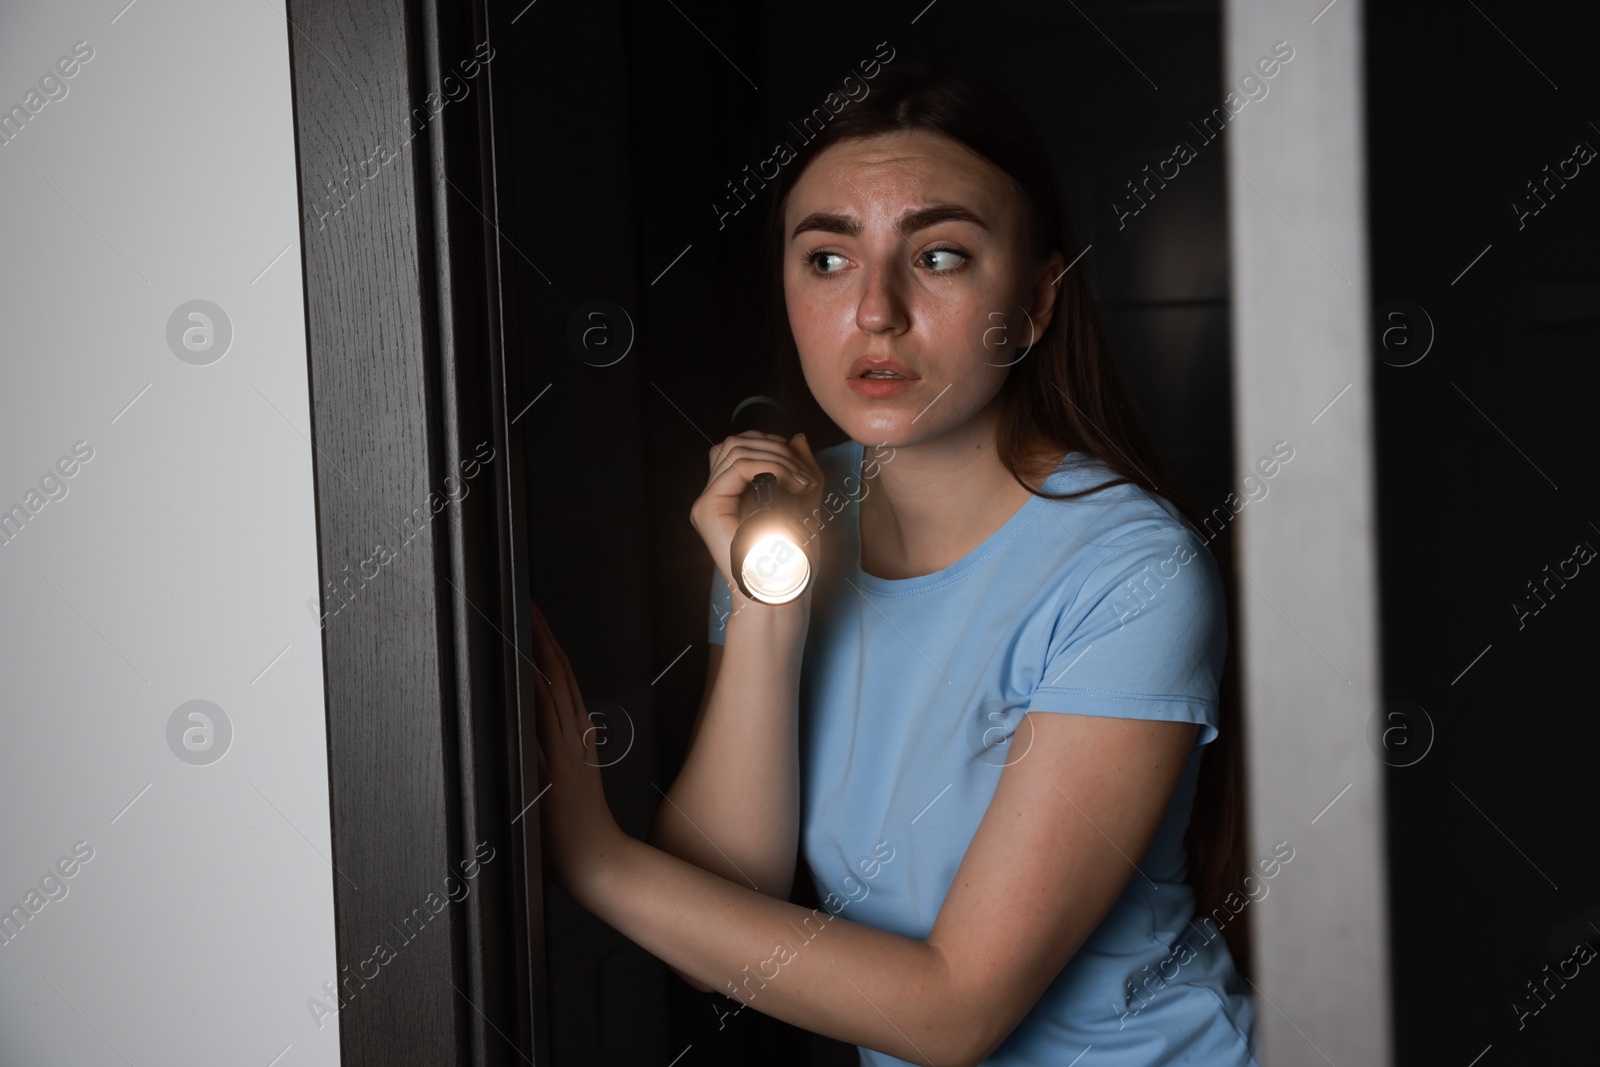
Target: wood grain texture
column 425, row 592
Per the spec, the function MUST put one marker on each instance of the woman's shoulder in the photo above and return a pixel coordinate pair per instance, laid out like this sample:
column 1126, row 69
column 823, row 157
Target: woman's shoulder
column 1109, row 515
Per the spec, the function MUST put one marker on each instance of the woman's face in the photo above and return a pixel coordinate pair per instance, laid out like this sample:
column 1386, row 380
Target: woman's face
column 908, row 249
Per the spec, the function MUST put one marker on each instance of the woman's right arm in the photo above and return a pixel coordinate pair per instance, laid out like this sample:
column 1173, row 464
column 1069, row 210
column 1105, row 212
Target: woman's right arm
column 734, row 808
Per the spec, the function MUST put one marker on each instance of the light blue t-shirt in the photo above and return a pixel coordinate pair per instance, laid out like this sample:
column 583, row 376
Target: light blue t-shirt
column 911, row 690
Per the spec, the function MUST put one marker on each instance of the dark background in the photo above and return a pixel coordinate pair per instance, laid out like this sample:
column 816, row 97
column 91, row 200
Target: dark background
column 623, row 123
column 620, row 146
column 1484, row 479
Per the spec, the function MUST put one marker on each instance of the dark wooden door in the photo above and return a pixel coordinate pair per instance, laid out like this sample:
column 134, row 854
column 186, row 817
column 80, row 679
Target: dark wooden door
column 421, row 531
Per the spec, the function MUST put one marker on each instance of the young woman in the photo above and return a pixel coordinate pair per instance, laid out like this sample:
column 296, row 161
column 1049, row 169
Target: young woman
column 983, row 722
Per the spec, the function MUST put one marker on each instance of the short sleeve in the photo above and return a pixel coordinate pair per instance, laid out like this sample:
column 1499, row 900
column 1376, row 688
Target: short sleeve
column 721, row 605
column 1144, row 637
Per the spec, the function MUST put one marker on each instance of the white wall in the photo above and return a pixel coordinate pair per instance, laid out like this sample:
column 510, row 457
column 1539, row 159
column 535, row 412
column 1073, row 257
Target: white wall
column 1309, row 616
column 175, row 562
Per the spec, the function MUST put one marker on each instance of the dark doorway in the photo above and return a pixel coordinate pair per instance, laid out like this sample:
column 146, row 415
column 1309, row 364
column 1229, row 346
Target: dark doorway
column 1483, row 223
column 622, row 126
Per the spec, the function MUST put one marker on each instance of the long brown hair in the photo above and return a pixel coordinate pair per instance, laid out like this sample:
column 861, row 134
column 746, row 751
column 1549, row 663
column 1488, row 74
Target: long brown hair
column 1065, row 394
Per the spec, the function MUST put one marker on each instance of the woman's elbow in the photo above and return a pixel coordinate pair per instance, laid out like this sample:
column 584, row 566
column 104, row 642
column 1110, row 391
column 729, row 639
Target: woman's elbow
column 975, row 1058
column 972, row 1047
column 974, row 1035
column 968, row 1050
column 653, row 835
column 699, row 985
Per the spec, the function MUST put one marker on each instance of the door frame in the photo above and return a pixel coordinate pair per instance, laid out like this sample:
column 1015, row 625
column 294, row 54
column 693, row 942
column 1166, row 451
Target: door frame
column 427, row 645
column 1302, row 374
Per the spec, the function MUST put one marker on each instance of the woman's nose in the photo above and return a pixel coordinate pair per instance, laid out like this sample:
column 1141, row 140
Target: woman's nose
column 883, row 306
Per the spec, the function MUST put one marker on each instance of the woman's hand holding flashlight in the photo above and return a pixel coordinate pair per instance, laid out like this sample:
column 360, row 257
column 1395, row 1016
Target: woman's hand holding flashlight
column 724, row 503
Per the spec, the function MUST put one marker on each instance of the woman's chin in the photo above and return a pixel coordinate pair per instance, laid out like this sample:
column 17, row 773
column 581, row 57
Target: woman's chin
column 876, row 419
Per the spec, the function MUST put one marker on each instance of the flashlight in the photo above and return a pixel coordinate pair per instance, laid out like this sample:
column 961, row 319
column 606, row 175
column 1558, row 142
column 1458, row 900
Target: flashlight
column 768, row 560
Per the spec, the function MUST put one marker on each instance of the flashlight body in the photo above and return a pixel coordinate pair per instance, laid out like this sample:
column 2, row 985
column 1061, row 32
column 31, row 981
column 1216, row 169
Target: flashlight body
column 767, row 556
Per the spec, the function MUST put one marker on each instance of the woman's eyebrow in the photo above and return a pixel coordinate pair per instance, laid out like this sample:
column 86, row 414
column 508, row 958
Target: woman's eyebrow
column 910, row 222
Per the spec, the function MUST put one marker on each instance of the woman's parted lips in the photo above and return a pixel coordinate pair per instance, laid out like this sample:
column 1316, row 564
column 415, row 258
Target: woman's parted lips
column 861, row 366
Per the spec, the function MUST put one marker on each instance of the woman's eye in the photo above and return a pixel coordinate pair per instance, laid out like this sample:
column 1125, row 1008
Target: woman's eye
column 939, row 260
column 814, row 258
column 950, row 261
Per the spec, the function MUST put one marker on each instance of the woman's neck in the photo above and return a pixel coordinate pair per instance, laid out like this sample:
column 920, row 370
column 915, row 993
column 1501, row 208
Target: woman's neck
column 932, row 503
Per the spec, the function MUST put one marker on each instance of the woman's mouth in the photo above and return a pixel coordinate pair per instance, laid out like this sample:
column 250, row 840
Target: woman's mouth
column 880, row 379
column 881, row 386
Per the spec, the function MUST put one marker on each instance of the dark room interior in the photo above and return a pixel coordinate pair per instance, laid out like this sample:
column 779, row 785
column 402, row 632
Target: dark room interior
column 629, row 191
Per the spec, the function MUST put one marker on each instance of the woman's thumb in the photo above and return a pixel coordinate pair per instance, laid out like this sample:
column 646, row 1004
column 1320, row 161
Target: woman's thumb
column 803, row 447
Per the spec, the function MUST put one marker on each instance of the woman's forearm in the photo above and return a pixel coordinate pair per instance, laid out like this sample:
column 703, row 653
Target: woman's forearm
column 734, row 807
column 815, row 970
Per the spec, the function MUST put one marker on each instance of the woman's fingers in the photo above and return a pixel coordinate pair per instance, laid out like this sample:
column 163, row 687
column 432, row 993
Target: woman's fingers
column 542, row 658
column 565, row 701
column 732, row 480
column 724, row 503
column 553, row 682
column 802, row 449
column 749, row 457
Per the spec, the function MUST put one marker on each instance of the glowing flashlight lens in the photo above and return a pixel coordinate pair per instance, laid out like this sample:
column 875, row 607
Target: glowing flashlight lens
column 776, row 570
